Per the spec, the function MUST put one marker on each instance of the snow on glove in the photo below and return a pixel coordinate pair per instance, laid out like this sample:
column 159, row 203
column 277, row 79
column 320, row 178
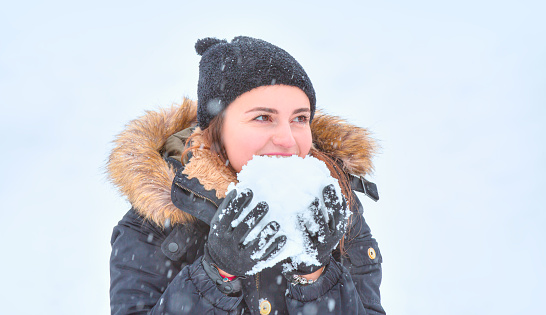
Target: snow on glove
column 329, row 233
column 225, row 247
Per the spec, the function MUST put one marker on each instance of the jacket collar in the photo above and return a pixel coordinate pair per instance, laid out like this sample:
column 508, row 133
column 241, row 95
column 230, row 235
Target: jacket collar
column 137, row 168
column 190, row 196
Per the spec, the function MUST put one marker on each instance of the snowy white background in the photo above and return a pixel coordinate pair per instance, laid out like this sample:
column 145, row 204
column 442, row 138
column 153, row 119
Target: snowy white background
column 455, row 92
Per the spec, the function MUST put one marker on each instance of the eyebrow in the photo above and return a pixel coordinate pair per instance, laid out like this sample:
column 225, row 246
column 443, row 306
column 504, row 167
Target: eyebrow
column 274, row 111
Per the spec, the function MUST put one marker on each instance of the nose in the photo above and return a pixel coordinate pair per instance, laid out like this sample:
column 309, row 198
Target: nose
column 283, row 136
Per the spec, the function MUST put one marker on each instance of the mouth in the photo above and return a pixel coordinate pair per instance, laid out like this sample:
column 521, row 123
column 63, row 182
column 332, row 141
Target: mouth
column 283, row 155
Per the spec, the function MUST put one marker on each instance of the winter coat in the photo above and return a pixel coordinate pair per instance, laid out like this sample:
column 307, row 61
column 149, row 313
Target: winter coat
column 155, row 265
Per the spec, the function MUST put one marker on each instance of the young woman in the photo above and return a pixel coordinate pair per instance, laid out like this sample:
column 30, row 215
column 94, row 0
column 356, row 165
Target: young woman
column 175, row 166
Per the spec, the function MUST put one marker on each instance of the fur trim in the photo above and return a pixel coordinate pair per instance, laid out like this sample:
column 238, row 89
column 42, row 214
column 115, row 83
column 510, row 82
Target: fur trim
column 348, row 143
column 208, row 168
column 138, row 170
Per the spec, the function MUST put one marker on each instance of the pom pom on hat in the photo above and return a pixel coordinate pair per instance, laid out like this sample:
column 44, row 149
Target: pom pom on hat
column 203, row 44
column 227, row 70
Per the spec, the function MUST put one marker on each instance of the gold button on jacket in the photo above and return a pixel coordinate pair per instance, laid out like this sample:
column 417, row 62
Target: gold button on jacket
column 371, row 253
column 265, row 307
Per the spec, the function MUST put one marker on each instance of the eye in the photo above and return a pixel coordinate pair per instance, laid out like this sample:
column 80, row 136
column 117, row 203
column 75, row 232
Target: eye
column 263, row 118
column 301, row 119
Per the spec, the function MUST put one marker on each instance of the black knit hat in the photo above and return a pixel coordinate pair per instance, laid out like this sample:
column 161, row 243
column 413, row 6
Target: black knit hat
column 228, row 70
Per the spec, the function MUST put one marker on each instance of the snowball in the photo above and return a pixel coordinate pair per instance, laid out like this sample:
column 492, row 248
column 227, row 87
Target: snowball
column 288, row 185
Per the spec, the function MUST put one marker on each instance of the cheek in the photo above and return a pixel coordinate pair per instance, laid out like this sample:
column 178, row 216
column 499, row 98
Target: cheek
column 241, row 145
column 305, row 141
column 249, row 145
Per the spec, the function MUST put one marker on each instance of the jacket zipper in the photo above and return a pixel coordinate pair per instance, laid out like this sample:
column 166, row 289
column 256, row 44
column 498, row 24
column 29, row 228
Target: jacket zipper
column 192, row 192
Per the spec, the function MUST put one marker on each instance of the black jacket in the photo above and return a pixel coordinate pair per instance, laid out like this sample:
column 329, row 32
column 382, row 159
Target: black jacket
column 156, row 266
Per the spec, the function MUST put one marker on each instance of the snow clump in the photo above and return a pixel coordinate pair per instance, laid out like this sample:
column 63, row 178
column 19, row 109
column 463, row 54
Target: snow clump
column 288, row 185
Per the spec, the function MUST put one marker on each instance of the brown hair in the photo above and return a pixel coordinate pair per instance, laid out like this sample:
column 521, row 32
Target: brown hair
column 213, row 142
column 212, row 136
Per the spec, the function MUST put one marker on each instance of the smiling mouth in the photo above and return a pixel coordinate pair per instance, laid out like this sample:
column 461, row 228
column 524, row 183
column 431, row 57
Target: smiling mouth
column 279, row 154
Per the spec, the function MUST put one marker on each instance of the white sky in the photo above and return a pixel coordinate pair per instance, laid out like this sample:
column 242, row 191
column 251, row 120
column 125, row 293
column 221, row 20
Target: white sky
column 455, row 92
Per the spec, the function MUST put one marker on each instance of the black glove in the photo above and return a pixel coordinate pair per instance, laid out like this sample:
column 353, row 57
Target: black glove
column 225, row 248
column 325, row 240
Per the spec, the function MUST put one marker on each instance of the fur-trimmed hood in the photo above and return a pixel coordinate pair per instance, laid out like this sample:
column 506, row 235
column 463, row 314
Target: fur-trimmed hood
column 137, row 168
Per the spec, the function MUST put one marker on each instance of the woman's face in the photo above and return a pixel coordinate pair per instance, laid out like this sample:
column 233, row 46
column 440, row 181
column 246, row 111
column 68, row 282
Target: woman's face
column 268, row 120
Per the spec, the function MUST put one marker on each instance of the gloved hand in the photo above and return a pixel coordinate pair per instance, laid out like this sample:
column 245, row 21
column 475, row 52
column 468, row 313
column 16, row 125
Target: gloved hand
column 325, row 240
column 225, row 248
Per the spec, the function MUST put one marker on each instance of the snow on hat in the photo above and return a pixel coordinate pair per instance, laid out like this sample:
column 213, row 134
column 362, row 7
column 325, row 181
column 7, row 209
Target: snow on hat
column 227, row 70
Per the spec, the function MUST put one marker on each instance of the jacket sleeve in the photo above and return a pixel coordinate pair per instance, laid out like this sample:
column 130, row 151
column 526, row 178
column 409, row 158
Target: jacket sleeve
column 333, row 293
column 362, row 259
column 143, row 280
column 348, row 286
